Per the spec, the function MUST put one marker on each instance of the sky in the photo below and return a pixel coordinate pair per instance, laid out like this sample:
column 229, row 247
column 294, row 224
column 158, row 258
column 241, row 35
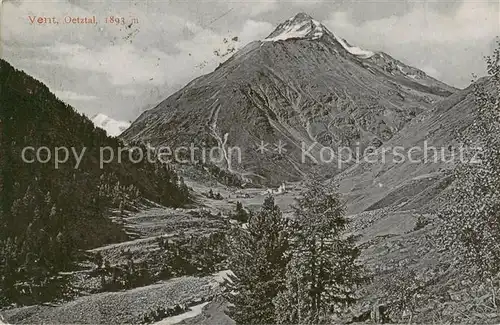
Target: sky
column 122, row 69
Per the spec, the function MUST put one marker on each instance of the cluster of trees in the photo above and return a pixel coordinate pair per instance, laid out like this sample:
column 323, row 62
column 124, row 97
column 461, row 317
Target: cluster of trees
column 301, row 270
column 192, row 255
column 199, row 256
column 48, row 215
column 471, row 222
column 240, row 214
column 213, row 196
column 157, row 181
column 157, row 314
column 118, row 277
column 223, row 176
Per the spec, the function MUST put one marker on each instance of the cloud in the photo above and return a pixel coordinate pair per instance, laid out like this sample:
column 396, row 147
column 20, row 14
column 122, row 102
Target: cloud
column 254, row 30
column 128, row 91
column 431, row 71
column 473, row 21
column 167, row 50
column 252, row 8
column 17, row 27
column 123, row 64
column 306, row 3
column 72, row 96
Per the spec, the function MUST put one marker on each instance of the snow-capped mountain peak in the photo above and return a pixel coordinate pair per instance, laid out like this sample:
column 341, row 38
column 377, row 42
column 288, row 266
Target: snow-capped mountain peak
column 299, row 26
column 303, row 26
column 112, row 127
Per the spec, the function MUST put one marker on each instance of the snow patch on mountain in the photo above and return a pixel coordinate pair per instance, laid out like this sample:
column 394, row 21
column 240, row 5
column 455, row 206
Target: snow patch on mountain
column 112, row 127
column 299, row 26
column 354, row 50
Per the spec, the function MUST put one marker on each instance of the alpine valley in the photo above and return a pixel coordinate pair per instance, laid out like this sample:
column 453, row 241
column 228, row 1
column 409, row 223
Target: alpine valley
column 175, row 243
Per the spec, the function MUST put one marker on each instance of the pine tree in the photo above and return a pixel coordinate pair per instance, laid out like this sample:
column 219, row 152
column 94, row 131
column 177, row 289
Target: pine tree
column 258, row 262
column 471, row 221
column 98, row 260
column 323, row 273
column 183, row 190
column 121, row 208
column 240, row 214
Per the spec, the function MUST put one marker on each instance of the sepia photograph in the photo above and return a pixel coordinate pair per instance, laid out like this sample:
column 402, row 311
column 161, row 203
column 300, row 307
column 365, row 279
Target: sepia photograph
column 249, row 162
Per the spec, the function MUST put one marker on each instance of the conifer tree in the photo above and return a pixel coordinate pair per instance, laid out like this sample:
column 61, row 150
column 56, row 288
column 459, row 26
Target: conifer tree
column 240, row 214
column 323, row 274
column 258, row 260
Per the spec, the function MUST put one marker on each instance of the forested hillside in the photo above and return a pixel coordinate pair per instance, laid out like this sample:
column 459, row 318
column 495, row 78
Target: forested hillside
column 48, row 214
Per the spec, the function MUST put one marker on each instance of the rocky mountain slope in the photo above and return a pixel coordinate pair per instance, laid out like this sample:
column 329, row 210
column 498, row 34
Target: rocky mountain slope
column 430, row 147
column 393, row 206
column 300, row 86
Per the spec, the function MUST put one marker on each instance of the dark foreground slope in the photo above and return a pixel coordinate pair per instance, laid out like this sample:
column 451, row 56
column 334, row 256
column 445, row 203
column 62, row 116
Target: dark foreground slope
column 49, row 214
column 296, row 91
